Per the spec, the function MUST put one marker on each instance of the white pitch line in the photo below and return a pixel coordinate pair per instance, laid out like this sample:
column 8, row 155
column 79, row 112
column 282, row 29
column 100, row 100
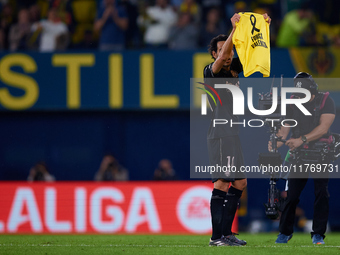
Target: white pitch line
column 162, row 245
column 92, row 245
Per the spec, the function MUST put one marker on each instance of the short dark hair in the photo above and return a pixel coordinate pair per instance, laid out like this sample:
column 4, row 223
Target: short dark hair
column 214, row 41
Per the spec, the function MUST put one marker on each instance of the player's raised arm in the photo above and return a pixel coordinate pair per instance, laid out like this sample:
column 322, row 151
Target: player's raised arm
column 225, row 53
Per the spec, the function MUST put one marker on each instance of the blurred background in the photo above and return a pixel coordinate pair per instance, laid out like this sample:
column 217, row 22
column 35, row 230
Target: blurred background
column 98, row 90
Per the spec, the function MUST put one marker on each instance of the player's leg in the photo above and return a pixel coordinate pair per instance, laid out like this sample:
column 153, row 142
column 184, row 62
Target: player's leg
column 321, row 210
column 231, row 202
column 230, row 207
column 238, row 184
column 222, row 152
column 295, row 187
column 218, row 194
column 216, row 209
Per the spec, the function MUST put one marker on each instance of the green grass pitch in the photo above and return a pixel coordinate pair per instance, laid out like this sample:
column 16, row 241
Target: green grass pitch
column 161, row 244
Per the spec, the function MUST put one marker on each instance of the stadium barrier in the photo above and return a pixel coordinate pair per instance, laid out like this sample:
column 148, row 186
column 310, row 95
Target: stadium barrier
column 165, row 207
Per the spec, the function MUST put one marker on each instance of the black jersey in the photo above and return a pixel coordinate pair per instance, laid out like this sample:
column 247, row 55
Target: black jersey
column 224, row 111
column 306, row 123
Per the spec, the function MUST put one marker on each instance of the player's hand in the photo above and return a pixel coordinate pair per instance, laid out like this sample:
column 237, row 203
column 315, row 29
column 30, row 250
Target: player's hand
column 234, row 19
column 114, row 13
column 108, row 11
column 270, row 146
column 267, row 18
column 278, row 145
column 294, row 143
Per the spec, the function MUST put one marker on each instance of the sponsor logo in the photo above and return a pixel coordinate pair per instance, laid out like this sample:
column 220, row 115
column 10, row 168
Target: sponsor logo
column 193, row 209
column 238, row 99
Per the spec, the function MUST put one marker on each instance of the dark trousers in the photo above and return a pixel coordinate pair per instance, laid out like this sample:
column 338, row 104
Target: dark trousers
column 321, row 205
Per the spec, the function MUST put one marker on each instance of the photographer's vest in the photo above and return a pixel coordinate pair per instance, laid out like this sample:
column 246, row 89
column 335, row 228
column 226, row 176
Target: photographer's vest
column 319, row 104
column 331, row 149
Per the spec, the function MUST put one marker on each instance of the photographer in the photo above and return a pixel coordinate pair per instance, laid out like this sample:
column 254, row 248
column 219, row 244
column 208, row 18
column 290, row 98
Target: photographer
column 111, row 170
column 309, row 130
column 40, row 172
column 165, row 172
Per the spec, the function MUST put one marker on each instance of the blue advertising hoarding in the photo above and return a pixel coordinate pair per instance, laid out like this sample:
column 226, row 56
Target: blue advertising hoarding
column 104, row 80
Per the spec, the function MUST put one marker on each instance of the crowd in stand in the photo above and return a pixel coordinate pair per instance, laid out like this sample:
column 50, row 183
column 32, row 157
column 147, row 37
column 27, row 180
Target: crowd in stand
column 109, row 170
column 50, row 25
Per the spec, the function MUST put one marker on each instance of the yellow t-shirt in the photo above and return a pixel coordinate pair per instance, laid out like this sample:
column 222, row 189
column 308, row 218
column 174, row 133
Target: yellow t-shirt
column 251, row 40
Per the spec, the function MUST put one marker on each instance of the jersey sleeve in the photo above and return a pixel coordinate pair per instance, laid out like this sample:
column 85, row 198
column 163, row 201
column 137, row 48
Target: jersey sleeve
column 329, row 106
column 207, row 72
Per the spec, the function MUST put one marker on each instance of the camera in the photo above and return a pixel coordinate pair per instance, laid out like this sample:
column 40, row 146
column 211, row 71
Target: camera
column 275, row 201
column 326, row 149
column 273, row 158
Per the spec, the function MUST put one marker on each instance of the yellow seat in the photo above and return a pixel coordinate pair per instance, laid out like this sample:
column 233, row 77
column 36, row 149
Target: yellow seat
column 84, row 11
column 335, row 30
column 44, row 7
column 323, row 31
column 79, row 31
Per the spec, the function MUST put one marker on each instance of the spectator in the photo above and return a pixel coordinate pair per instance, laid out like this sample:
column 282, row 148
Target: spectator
column 176, row 4
column 6, row 20
column 158, row 20
column 294, row 30
column 232, row 7
column 2, row 40
column 335, row 41
column 88, row 42
column 191, row 7
column 20, row 32
column 328, row 11
column 40, row 172
column 132, row 35
column 272, row 6
column 54, row 33
column 81, row 16
column 112, row 21
column 206, row 5
column 165, row 171
column 111, row 170
column 212, row 28
column 25, row 3
column 64, row 9
column 184, row 35
column 35, row 15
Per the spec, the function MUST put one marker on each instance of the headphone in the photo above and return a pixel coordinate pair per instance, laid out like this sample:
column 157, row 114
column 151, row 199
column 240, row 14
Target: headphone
column 312, row 86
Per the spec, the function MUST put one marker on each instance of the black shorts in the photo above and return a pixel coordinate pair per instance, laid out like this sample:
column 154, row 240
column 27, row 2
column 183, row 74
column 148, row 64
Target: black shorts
column 225, row 154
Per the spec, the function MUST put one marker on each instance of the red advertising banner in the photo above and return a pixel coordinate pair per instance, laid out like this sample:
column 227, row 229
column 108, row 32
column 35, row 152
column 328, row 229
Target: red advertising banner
column 173, row 207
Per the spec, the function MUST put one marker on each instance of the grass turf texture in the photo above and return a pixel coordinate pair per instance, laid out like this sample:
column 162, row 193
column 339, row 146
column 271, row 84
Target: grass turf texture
column 161, row 244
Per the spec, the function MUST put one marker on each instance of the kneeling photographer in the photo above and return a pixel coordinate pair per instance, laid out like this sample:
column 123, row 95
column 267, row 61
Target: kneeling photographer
column 310, row 132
